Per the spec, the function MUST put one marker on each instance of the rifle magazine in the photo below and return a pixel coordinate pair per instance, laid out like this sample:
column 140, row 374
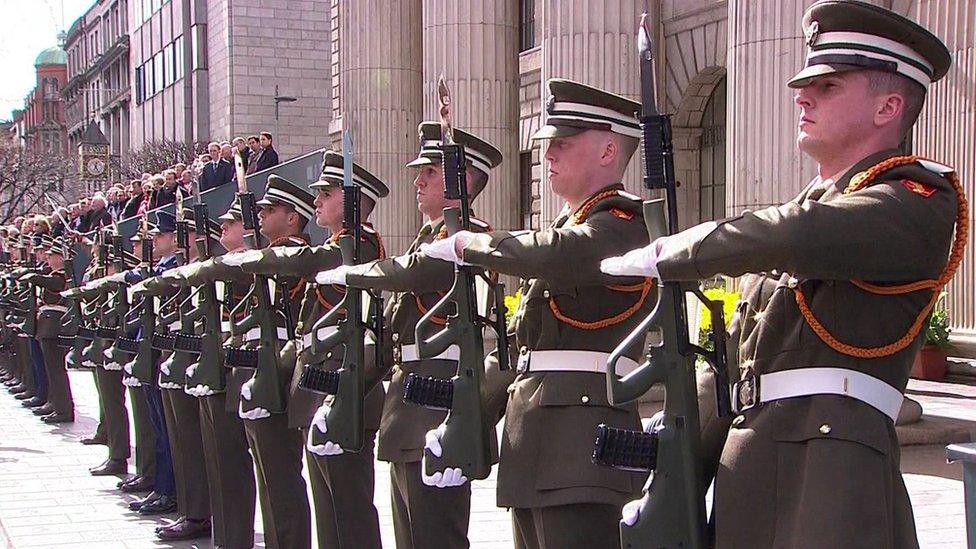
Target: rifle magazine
column 318, row 380
column 625, row 449
column 430, row 392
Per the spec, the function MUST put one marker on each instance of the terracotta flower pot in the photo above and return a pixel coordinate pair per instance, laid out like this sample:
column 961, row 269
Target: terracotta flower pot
column 930, row 363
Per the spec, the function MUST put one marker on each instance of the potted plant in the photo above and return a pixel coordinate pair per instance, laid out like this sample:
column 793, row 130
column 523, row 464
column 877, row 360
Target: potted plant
column 931, row 362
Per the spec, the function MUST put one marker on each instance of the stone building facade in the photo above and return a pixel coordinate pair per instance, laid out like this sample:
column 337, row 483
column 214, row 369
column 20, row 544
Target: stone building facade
column 98, row 87
column 209, row 69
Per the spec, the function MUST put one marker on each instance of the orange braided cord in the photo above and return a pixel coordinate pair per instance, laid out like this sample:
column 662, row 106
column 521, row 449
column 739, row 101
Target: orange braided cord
column 955, row 258
column 439, row 320
column 606, row 322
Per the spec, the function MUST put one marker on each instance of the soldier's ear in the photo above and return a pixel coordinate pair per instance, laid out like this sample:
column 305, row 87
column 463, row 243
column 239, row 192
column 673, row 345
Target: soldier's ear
column 611, row 151
column 889, row 108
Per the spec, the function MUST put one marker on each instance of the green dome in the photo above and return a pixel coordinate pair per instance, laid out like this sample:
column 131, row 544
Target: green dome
column 51, row 56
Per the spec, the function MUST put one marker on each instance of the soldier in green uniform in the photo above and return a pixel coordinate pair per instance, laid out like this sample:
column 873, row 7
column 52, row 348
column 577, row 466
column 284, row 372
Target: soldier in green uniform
column 342, row 482
column 49, row 317
column 230, row 468
column 568, row 321
column 423, row 516
column 830, row 317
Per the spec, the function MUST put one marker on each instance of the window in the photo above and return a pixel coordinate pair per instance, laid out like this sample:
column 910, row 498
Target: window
column 148, row 74
column 178, row 58
column 160, row 73
column 139, row 86
column 526, row 25
column 168, row 65
column 711, row 200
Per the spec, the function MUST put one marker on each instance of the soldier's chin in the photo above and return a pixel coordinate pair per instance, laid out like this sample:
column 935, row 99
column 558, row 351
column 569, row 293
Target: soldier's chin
column 253, row 414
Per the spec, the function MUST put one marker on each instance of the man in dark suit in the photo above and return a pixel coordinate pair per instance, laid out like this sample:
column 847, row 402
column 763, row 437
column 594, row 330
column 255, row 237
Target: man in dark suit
column 217, row 172
column 253, row 153
column 269, row 156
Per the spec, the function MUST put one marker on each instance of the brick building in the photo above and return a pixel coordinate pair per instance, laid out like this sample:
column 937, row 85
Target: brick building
column 40, row 126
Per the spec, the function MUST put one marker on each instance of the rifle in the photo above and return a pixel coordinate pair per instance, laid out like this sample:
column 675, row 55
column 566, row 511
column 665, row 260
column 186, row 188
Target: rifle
column 466, row 442
column 95, row 301
column 207, row 376
column 345, row 422
column 266, row 390
column 143, row 366
column 173, row 310
column 672, row 513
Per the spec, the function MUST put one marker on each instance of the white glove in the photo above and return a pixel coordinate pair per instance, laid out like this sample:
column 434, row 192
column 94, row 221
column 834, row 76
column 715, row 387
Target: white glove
column 631, row 511
column 318, row 422
column 246, row 389
column 338, row 275
column 446, row 248
column 254, row 413
column 236, row 259
column 117, row 277
column 639, row 262
column 452, row 476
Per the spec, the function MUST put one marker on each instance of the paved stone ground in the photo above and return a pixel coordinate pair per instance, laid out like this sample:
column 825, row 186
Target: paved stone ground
column 48, row 499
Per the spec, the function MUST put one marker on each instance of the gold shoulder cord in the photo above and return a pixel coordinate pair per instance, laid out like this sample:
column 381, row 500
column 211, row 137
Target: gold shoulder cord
column 857, row 183
column 644, row 287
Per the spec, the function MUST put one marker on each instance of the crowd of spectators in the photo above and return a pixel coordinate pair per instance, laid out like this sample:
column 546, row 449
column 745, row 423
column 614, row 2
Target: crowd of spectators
column 120, row 201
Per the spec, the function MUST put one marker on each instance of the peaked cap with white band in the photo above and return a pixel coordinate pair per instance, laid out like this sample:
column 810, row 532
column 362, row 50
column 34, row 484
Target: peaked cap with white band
column 332, row 174
column 281, row 191
column 481, row 154
column 57, row 247
column 573, row 108
column 233, row 213
column 846, row 35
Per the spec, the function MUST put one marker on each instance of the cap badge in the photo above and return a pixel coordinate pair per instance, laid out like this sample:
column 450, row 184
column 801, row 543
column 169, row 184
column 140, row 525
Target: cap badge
column 812, row 32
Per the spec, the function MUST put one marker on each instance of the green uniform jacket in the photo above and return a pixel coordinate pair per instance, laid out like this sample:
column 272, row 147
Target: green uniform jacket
column 551, row 417
column 787, row 468
column 49, row 320
column 418, row 283
column 305, row 262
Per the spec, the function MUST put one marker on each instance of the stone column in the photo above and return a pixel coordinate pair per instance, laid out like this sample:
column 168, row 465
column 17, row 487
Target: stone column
column 766, row 48
column 944, row 132
column 474, row 45
column 593, row 42
column 379, row 101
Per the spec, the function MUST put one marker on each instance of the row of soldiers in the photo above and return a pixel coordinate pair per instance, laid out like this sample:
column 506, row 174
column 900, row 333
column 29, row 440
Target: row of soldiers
column 223, row 346
column 146, row 316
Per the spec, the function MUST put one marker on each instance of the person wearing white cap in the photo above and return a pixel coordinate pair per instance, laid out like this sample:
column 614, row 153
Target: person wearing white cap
column 837, row 284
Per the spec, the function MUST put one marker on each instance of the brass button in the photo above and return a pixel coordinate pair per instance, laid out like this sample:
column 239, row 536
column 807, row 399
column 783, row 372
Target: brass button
column 395, row 337
column 328, row 355
column 585, row 399
column 545, row 294
column 825, row 429
column 738, row 420
column 792, row 282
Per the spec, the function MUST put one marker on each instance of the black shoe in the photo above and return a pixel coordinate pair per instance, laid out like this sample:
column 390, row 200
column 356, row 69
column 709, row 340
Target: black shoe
column 185, row 529
column 45, row 409
column 137, row 504
column 136, row 484
column 33, row 402
column 94, row 439
column 110, row 467
column 168, row 525
column 55, row 417
column 22, row 393
column 165, row 503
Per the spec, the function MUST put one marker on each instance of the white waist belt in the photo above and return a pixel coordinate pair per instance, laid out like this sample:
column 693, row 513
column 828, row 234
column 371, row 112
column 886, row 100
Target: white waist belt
column 572, row 361
column 827, row 381
column 321, row 334
column 225, row 326
column 409, row 353
column 254, row 334
column 58, row 308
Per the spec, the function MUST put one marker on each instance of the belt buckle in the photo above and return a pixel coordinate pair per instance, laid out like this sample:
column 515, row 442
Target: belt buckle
column 523, row 361
column 745, row 394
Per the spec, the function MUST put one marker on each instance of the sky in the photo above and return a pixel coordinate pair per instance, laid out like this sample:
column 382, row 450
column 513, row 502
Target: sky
column 30, row 26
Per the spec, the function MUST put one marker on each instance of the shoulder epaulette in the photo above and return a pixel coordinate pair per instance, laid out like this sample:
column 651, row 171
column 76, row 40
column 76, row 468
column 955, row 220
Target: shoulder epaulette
column 935, row 167
column 629, row 196
column 479, row 223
